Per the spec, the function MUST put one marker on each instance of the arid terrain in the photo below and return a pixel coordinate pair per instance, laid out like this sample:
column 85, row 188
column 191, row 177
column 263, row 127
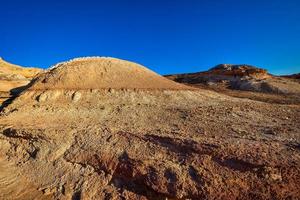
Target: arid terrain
column 105, row 128
column 13, row 78
column 245, row 81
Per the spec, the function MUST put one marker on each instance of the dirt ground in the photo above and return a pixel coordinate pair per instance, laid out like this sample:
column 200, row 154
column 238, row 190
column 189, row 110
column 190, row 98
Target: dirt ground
column 151, row 145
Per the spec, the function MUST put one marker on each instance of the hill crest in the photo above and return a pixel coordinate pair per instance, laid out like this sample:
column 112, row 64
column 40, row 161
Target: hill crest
column 101, row 73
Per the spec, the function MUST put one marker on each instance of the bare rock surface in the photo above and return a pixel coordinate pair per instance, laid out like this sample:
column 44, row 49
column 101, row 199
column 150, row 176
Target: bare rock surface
column 169, row 142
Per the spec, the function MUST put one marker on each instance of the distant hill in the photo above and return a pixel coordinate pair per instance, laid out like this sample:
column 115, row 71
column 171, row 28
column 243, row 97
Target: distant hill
column 243, row 77
column 294, row 76
column 13, row 76
column 8, row 69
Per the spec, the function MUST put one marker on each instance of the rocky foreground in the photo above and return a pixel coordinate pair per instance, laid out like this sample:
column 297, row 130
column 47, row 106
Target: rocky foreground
column 145, row 138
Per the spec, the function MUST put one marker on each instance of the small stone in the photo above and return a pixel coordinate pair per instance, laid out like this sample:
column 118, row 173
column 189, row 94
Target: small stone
column 42, row 97
column 270, row 132
column 276, row 177
column 76, row 96
column 48, row 191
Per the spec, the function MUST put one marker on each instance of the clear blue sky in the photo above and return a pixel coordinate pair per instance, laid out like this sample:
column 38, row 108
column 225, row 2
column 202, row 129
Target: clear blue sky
column 168, row 36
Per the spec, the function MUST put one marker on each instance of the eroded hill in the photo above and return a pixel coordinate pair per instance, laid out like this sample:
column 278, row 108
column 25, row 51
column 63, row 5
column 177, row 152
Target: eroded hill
column 244, row 81
column 112, row 137
column 14, row 77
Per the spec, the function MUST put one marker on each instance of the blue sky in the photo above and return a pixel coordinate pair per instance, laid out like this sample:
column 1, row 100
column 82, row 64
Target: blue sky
column 166, row 36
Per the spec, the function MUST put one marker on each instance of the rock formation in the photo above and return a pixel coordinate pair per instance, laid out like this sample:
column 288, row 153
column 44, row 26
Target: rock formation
column 239, row 71
column 103, row 128
column 228, row 77
column 14, row 77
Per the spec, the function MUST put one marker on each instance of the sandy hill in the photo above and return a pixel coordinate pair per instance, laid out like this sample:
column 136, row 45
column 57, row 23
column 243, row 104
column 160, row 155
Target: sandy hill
column 84, row 78
column 14, row 76
column 7, row 68
column 101, row 72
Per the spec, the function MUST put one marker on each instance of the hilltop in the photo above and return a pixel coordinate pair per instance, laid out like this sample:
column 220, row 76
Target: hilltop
column 101, row 72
